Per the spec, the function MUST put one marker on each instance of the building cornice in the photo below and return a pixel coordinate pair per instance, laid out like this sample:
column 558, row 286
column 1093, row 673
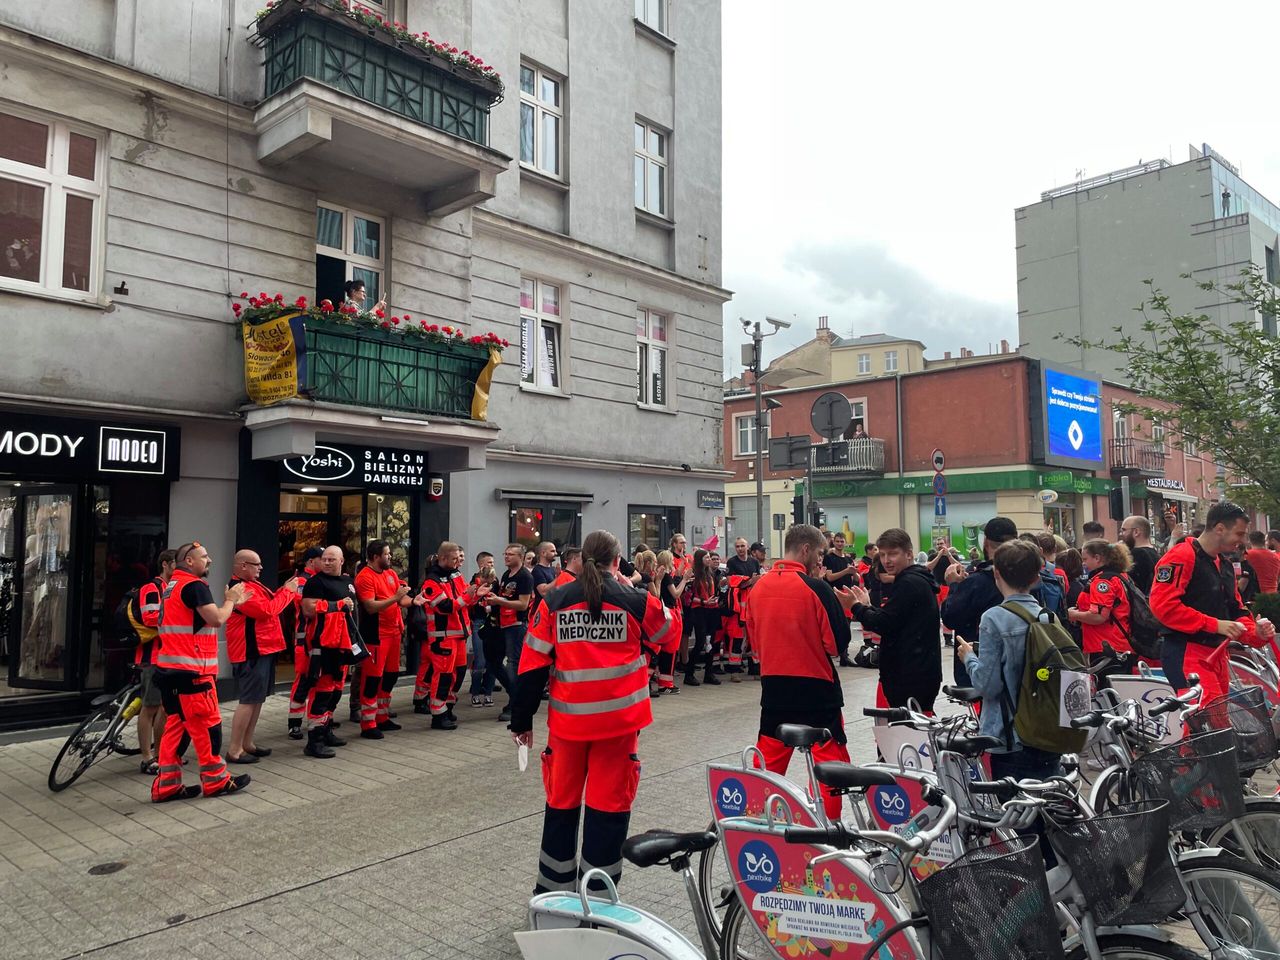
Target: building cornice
column 499, row 225
column 620, row 466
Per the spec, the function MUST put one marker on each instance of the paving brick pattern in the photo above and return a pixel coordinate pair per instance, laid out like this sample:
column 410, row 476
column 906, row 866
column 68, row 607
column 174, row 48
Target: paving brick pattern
column 420, row 845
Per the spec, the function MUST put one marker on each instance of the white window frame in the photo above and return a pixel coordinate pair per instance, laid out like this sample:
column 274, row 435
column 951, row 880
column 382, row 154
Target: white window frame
column 859, row 404
column 541, row 109
column 864, row 363
column 57, row 187
column 1157, row 435
column 738, row 452
column 649, row 159
column 538, row 320
column 647, row 11
column 353, row 260
column 891, row 361
column 646, row 346
column 1120, row 425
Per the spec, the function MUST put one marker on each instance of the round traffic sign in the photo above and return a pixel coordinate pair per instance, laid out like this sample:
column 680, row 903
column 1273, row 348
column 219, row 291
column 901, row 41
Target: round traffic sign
column 939, row 485
column 939, row 461
column 831, row 415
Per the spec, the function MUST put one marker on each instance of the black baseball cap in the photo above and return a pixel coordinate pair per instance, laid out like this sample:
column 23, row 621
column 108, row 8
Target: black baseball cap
column 1000, row 530
column 312, row 553
column 757, row 546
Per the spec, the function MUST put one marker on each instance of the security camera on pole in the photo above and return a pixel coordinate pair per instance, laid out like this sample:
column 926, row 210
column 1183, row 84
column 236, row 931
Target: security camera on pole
column 751, row 359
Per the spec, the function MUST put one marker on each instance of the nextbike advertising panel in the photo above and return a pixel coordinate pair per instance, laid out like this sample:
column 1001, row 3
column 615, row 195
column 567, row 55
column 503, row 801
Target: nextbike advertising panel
column 1067, row 411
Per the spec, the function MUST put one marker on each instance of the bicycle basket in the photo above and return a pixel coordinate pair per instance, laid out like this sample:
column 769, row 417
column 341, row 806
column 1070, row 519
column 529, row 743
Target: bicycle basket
column 1199, row 776
column 1246, row 714
column 993, row 904
column 1121, row 861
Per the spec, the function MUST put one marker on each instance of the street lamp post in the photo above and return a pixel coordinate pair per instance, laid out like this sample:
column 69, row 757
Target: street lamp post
column 755, row 364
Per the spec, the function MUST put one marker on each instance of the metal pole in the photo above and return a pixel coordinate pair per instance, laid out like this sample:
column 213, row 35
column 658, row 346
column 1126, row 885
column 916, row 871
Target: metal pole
column 756, row 339
column 1126, row 499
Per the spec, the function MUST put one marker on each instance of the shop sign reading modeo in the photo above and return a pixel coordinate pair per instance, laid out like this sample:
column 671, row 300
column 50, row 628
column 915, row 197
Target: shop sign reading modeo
column 63, row 448
column 359, row 467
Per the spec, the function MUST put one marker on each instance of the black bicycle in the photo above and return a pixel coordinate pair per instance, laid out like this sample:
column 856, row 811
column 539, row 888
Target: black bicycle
column 105, row 731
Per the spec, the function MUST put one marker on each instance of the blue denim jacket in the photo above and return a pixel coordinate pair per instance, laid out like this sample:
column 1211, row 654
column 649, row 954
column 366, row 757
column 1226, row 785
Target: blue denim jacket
column 1002, row 640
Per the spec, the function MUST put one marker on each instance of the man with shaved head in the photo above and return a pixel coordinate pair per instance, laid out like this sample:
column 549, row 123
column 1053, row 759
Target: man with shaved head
column 254, row 638
column 327, row 602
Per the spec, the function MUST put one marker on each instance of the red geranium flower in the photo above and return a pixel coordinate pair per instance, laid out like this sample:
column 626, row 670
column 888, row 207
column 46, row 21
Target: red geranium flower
column 386, row 325
column 326, row 306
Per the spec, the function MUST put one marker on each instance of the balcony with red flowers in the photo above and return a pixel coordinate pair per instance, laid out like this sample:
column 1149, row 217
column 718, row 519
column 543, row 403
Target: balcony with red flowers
column 346, row 91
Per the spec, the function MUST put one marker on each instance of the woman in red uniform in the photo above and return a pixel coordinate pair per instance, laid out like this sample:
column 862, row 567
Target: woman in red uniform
column 704, row 611
column 593, row 632
column 1103, row 609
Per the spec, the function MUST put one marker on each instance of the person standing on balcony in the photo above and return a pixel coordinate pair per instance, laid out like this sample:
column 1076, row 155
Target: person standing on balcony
column 353, row 293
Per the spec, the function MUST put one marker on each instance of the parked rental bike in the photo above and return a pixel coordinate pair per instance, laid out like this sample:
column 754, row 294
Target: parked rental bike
column 106, row 730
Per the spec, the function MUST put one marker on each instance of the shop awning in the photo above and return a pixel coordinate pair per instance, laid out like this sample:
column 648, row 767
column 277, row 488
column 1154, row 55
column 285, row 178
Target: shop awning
column 1173, row 495
column 559, row 496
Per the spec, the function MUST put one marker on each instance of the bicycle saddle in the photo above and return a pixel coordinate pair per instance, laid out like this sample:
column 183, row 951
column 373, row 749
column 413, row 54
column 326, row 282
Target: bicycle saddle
column 646, row 849
column 798, row 735
column 963, row 694
column 968, row 746
column 845, row 776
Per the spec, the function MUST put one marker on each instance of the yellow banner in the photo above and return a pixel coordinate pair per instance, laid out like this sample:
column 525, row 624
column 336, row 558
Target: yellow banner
column 273, row 354
column 480, row 398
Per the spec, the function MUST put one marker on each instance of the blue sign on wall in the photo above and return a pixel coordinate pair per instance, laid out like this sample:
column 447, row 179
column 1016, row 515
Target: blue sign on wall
column 1073, row 417
column 939, row 506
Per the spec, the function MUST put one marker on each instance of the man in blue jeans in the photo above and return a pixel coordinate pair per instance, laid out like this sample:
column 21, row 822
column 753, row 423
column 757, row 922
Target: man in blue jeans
column 483, row 674
column 511, row 601
column 1002, row 638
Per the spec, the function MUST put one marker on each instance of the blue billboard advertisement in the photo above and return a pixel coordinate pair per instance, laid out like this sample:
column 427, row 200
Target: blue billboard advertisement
column 1072, row 418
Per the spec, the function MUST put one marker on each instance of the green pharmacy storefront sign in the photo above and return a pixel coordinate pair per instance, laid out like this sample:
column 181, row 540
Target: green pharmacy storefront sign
column 1063, row 481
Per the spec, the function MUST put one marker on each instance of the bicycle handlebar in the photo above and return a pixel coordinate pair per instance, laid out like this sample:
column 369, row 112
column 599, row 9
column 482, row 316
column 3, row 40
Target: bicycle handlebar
column 840, row 836
column 896, row 714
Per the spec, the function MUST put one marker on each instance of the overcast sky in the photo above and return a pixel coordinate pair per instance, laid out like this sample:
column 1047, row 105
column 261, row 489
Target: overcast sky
column 874, row 152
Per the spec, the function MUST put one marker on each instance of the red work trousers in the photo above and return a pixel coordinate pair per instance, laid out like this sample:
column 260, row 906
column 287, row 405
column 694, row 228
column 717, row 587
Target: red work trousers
column 378, row 675
column 435, row 674
column 192, row 708
column 303, row 685
column 777, row 757
column 328, row 688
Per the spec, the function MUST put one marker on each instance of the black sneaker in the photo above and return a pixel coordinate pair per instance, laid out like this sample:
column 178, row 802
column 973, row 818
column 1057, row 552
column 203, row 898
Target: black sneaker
column 443, row 722
column 421, row 708
column 371, row 734
column 711, row 680
column 295, row 733
column 846, row 662
column 691, row 681
column 331, row 740
column 505, row 715
column 316, row 746
column 389, row 725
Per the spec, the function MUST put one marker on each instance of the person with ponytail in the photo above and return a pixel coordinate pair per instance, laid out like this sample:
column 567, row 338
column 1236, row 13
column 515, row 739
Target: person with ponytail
column 587, row 639
column 704, row 612
column 1103, row 609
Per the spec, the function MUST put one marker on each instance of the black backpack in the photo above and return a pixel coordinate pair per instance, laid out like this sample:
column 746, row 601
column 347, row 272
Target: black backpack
column 1144, row 629
column 121, row 631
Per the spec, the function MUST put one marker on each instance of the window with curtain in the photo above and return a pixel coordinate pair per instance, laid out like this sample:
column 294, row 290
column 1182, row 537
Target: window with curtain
column 541, row 120
column 349, row 246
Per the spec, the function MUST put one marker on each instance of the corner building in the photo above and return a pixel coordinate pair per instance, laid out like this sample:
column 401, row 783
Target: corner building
column 156, row 161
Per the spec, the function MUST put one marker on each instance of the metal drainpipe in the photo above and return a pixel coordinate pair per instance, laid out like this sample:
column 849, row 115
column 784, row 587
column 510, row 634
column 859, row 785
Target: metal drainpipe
column 897, row 408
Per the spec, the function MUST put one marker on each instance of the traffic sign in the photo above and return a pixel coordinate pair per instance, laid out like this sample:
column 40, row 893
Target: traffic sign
column 831, row 415
column 939, row 485
column 939, row 461
column 939, row 506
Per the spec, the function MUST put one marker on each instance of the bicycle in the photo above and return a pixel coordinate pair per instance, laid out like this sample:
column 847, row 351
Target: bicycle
column 103, row 732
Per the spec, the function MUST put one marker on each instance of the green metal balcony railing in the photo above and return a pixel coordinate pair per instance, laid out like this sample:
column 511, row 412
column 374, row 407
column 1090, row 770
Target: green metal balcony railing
column 307, row 39
column 375, row 368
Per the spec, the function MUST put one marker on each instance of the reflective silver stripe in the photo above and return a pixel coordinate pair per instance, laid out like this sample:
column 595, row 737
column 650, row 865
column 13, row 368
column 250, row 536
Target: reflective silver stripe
column 666, row 626
column 168, row 660
column 205, row 631
column 559, row 866
column 438, row 600
column 599, row 673
column 556, row 886
column 533, row 643
column 614, row 869
column 601, row 706
column 170, row 767
column 150, row 607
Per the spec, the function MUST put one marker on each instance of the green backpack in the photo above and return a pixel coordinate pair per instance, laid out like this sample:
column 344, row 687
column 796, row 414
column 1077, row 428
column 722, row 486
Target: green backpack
column 1050, row 651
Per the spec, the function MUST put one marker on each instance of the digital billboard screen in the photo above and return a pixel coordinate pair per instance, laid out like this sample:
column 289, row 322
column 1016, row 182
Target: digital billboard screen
column 1072, row 418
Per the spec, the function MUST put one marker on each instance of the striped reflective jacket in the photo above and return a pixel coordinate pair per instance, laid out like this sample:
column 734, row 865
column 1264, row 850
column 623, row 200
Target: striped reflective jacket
column 599, row 672
column 186, row 641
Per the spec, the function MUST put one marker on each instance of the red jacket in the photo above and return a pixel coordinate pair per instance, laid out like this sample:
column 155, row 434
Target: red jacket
column 1192, row 591
column 253, row 629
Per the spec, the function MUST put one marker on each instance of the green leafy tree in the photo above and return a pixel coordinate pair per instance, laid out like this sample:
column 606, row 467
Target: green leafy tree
column 1222, row 380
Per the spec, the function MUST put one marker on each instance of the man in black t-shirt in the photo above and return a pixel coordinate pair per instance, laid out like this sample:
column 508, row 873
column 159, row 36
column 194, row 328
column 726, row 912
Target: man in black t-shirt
column 327, row 601
column 511, row 600
column 544, row 574
column 839, row 571
column 1135, row 533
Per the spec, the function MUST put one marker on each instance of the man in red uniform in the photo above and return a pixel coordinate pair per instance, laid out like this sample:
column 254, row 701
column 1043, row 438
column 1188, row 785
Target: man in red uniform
column 254, row 637
column 382, row 596
column 447, row 597
column 1265, row 562
column 300, row 692
column 793, row 619
column 328, row 598
column 570, row 566
column 144, row 615
column 186, row 661
column 587, row 638
column 1194, row 595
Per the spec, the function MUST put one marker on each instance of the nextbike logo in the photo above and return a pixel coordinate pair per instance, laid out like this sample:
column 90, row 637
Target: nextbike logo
column 758, row 866
column 1155, row 696
column 893, row 805
column 731, row 798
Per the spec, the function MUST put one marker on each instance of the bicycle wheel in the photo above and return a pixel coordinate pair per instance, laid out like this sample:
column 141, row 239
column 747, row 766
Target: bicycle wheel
column 1110, row 790
column 1123, row 946
column 1240, row 903
column 739, row 937
column 1255, row 836
column 715, row 887
column 124, row 740
column 86, row 745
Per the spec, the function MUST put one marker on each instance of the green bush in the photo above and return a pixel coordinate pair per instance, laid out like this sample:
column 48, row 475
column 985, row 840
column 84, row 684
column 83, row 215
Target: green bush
column 1267, row 605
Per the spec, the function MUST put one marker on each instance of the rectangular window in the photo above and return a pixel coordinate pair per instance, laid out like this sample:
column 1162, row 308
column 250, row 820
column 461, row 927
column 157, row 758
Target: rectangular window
column 652, row 13
column 534, row 522
column 890, row 361
column 51, row 206
column 858, row 424
column 864, row 363
column 744, row 443
column 1157, row 435
column 541, row 120
column 349, row 246
column 652, row 337
column 651, row 168
column 1120, row 425
column 540, row 326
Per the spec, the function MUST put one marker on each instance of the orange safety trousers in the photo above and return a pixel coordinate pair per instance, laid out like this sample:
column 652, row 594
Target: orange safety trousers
column 436, row 673
column 378, row 674
column 192, row 707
